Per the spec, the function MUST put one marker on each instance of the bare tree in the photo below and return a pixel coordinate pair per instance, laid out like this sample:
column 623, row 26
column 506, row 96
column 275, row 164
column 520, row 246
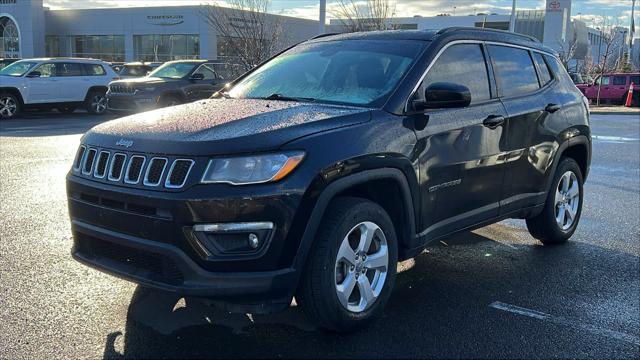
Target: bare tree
column 246, row 34
column 604, row 63
column 567, row 50
column 364, row 15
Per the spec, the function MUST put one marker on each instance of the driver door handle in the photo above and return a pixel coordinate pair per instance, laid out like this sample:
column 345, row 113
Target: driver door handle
column 493, row 121
column 551, row 108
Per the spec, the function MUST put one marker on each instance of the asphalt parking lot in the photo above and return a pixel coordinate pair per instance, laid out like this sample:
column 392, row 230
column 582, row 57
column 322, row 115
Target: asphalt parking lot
column 494, row 292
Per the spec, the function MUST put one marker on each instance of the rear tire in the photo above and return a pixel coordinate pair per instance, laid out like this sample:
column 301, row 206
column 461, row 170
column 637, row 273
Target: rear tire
column 9, row 106
column 96, row 102
column 351, row 270
column 563, row 207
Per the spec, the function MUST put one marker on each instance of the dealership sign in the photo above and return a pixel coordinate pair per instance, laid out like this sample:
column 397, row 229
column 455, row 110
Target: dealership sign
column 554, row 5
column 165, row 20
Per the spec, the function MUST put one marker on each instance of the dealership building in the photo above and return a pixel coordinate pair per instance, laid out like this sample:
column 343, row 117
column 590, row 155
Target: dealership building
column 28, row 29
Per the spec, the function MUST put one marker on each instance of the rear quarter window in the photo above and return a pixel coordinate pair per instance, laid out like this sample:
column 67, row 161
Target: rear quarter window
column 543, row 69
column 94, row 70
column 619, row 80
column 514, row 71
column 635, row 79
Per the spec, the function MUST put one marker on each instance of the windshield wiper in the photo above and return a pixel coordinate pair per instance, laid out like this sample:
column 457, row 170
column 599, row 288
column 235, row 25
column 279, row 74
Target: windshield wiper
column 281, row 97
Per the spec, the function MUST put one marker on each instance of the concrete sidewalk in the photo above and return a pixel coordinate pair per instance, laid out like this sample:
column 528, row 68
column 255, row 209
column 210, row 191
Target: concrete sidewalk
column 614, row 110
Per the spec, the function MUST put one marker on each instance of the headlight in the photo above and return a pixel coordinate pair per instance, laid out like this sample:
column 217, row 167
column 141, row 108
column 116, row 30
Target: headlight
column 251, row 169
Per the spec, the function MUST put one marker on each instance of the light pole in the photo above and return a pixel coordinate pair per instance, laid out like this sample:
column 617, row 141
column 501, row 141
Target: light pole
column 512, row 19
column 323, row 15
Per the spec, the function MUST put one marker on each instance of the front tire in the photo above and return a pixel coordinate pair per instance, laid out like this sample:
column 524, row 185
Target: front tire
column 96, row 102
column 351, row 269
column 559, row 219
column 9, row 106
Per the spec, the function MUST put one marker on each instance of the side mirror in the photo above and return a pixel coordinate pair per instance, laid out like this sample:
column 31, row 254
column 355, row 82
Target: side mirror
column 445, row 96
column 197, row 76
column 34, row 74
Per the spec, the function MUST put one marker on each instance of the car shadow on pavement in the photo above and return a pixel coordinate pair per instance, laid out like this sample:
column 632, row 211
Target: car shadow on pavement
column 439, row 308
column 38, row 124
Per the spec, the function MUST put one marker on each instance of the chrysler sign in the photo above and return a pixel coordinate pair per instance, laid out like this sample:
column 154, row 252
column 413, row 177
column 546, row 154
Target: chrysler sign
column 165, row 20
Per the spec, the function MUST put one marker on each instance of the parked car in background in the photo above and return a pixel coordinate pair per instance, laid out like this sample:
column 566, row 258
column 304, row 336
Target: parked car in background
column 173, row 83
column 61, row 83
column 137, row 69
column 614, row 87
column 315, row 173
column 5, row 62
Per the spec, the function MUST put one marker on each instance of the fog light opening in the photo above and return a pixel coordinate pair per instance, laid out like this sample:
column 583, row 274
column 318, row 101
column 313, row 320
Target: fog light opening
column 254, row 242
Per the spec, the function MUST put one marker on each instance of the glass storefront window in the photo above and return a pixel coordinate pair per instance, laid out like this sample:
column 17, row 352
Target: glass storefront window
column 166, row 47
column 52, row 45
column 9, row 38
column 104, row 47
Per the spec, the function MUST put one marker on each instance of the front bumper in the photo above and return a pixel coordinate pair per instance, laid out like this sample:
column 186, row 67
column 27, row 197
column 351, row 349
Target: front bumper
column 153, row 248
column 132, row 102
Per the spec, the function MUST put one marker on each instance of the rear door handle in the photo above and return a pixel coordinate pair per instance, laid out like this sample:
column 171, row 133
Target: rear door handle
column 551, row 108
column 493, row 121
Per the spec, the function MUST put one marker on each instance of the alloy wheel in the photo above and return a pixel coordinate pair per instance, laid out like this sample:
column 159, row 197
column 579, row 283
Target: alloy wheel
column 8, row 106
column 567, row 200
column 99, row 104
column 361, row 267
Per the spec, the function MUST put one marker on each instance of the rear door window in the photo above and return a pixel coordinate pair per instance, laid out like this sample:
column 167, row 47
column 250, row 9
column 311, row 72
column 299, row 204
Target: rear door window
column 619, row 80
column 543, row 69
column 462, row 64
column 514, row 71
column 70, row 69
column 635, row 79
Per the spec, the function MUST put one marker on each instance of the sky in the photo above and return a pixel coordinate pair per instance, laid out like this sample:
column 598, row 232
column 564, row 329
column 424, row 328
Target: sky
column 593, row 12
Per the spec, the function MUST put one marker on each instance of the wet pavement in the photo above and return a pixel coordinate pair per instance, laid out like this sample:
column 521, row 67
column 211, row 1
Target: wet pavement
column 494, row 292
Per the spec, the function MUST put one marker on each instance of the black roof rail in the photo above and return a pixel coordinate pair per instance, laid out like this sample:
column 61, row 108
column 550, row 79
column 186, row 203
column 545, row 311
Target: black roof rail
column 323, row 35
column 469, row 28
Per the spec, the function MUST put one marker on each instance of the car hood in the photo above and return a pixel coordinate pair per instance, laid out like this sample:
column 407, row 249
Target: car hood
column 143, row 81
column 222, row 126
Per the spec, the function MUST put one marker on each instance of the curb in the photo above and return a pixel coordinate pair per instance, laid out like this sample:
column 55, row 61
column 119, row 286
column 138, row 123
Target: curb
column 636, row 113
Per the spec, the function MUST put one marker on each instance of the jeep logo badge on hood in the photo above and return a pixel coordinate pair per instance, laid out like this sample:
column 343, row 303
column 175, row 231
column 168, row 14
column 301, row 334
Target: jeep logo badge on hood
column 125, row 143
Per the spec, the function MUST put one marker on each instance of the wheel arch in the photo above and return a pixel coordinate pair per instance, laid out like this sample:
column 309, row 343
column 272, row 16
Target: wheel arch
column 13, row 91
column 364, row 184
column 101, row 88
column 579, row 149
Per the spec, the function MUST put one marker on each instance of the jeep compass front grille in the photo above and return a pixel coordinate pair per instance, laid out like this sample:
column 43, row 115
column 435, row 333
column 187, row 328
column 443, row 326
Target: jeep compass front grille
column 122, row 89
column 132, row 169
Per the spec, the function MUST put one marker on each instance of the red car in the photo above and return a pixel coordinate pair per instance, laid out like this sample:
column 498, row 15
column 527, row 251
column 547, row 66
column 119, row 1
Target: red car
column 615, row 87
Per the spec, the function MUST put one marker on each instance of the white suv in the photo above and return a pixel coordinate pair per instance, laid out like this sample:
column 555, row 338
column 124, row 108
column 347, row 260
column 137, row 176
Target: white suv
column 61, row 83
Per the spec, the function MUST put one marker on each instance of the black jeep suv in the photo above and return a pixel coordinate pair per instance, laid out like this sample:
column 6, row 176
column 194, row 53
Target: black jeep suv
column 173, row 83
column 314, row 174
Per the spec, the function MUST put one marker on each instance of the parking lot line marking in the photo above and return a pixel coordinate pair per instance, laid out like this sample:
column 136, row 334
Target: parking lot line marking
column 565, row 322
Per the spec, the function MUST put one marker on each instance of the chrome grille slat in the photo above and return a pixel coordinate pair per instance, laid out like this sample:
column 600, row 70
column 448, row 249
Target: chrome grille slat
column 101, row 166
column 77, row 162
column 134, row 169
column 117, row 165
column 178, row 173
column 87, row 166
column 155, row 170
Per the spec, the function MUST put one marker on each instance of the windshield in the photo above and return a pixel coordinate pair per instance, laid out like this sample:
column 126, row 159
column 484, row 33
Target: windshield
column 173, row 71
column 356, row 72
column 17, row 68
